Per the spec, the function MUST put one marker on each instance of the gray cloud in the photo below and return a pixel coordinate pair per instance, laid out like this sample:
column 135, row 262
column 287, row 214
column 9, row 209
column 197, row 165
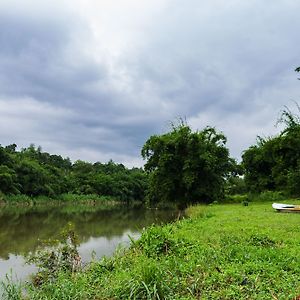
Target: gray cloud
column 96, row 87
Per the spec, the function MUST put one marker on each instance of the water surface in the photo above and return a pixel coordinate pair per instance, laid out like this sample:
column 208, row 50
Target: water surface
column 100, row 231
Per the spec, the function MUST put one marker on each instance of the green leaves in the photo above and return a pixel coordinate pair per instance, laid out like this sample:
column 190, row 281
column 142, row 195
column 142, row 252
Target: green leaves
column 56, row 256
column 35, row 173
column 186, row 167
column 8, row 183
column 274, row 163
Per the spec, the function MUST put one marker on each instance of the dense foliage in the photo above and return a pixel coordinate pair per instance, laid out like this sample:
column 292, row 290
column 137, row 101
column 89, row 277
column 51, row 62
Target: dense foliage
column 33, row 172
column 274, row 163
column 186, row 167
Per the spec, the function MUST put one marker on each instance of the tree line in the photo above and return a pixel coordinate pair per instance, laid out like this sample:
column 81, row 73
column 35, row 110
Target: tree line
column 33, row 172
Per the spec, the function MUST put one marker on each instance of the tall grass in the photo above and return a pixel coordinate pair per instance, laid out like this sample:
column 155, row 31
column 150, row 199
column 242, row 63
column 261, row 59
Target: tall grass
column 21, row 199
column 265, row 196
column 10, row 290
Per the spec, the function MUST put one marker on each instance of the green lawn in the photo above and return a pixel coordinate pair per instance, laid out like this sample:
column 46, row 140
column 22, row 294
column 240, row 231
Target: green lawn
column 219, row 252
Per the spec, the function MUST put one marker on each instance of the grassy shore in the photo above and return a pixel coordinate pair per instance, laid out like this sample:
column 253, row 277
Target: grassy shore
column 91, row 199
column 220, row 252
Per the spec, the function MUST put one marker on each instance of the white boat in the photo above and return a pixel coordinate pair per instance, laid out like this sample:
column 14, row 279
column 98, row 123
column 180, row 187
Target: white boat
column 286, row 207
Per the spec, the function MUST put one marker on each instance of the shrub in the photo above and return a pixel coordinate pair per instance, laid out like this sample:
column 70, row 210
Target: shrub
column 10, row 289
column 148, row 282
column 56, row 256
column 159, row 240
column 237, row 198
column 267, row 196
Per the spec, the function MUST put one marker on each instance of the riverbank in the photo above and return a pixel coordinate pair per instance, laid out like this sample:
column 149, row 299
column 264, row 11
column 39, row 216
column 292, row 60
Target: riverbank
column 220, row 252
column 90, row 199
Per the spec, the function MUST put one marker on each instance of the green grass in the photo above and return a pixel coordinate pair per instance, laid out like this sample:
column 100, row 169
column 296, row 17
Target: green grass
column 221, row 252
column 25, row 200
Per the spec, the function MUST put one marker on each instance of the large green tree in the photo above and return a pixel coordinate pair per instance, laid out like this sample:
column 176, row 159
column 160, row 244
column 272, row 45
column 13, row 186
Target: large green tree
column 274, row 163
column 186, row 167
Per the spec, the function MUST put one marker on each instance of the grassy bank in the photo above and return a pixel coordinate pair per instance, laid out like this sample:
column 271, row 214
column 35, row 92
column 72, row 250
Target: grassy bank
column 220, row 252
column 91, row 199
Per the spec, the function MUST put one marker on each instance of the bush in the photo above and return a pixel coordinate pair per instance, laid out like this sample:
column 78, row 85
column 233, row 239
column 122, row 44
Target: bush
column 10, row 289
column 267, row 196
column 18, row 199
column 237, row 199
column 80, row 197
column 147, row 282
column 56, row 256
column 159, row 240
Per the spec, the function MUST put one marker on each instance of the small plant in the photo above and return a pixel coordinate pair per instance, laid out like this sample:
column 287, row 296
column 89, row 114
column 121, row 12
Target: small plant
column 10, row 290
column 155, row 241
column 261, row 241
column 148, row 283
column 213, row 203
column 55, row 256
column 237, row 198
column 245, row 202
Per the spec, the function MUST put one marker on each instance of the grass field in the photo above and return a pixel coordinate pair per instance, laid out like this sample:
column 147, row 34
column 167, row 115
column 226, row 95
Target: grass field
column 219, row 252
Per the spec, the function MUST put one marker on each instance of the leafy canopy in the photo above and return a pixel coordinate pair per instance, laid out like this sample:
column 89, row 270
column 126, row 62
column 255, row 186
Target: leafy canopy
column 186, row 167
column 274, row 163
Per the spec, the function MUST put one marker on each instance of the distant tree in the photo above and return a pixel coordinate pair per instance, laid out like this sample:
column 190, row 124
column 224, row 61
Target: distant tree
column 274, row 163
column 8, row 180
column 11, row 148
column 258, row 162
column 186, row 167
column 298, row 70
column 33, row 178
column 34, row 172
column 81, row 177
column 5, row 157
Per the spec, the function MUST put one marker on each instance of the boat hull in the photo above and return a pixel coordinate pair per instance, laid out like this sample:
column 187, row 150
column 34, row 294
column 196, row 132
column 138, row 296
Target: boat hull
column 286, row 207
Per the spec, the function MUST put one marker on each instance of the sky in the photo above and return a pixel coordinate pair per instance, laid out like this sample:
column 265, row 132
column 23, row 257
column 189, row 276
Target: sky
column 94, row 79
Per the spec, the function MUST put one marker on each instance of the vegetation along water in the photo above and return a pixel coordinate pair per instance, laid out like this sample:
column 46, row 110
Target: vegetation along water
column 226, row 251
column 100, row 230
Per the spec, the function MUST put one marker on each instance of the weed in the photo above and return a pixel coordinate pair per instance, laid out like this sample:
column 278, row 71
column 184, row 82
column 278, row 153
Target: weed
column 147, row 283
column 261, row 241
column 159, row 240
column 11, row 290
column 55, row 256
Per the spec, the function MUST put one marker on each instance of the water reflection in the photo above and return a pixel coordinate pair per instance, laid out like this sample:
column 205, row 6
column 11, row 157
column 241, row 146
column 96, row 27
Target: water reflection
column 99, row 230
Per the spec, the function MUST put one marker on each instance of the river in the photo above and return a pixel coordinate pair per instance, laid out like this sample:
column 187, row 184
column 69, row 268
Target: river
column 100, row 231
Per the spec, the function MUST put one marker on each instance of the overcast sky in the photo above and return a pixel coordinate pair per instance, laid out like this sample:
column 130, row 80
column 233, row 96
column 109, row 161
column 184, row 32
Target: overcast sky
column 93, row 79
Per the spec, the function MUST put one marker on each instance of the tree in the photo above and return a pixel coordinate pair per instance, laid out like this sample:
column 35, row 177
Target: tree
column 8, row 183
column 33, row 178
column 274, row 163
column 297, row 70
column 186, row 167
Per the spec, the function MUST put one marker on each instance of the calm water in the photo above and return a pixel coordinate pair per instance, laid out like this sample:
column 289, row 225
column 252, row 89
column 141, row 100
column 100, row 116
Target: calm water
column 100, row 231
